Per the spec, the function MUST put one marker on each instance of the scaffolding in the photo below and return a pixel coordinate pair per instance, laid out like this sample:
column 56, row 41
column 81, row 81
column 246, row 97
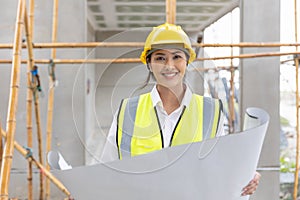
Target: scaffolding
column 25, row 21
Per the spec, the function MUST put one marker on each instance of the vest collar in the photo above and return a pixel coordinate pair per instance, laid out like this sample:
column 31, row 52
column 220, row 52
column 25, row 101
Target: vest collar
column 156, row 100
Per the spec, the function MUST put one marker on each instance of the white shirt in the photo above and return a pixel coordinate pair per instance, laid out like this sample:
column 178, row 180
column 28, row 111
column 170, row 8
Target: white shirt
column 167, row 123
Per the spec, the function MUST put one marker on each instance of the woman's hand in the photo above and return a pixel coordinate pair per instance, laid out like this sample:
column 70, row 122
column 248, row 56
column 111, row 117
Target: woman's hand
column 252, row 185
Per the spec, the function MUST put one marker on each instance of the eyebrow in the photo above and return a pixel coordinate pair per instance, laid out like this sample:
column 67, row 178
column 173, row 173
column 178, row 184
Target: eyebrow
column 175, row 52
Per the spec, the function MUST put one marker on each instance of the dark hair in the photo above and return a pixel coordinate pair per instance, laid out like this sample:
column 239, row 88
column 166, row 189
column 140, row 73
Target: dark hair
column 150, row 74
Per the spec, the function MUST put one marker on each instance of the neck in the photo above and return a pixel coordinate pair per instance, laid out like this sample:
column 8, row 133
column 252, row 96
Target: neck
column 171, row 97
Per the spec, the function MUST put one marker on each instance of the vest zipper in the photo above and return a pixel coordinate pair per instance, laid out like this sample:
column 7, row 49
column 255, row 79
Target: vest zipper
column 159, row 126
column 117, row 130
column 171, row 140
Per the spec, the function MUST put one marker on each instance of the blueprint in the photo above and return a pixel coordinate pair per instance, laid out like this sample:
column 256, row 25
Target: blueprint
column 209, row 170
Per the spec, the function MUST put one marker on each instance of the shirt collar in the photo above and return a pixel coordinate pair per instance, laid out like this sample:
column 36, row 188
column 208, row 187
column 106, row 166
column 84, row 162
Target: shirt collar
column 157, row 100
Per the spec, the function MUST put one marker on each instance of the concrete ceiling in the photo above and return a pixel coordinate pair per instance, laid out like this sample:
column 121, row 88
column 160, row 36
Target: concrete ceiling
column 192, row 15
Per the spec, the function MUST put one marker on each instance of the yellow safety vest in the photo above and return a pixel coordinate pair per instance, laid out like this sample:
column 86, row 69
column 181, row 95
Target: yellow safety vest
column 138, row 127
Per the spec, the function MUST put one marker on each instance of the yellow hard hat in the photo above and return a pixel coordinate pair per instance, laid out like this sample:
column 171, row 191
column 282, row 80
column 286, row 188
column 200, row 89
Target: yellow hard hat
column 167, row 35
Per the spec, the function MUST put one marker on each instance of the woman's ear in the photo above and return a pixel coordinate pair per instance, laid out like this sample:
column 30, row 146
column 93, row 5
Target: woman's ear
column 149, row 67
column 148, row 58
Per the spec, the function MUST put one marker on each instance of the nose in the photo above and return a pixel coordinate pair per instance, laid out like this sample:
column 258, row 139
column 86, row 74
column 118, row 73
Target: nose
column 169, row 63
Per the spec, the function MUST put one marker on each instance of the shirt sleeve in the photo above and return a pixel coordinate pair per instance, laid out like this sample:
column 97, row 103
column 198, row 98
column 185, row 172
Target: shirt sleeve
column 110, row 150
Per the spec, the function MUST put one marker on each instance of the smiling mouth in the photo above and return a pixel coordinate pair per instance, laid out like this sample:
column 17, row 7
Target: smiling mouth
column 170, row 74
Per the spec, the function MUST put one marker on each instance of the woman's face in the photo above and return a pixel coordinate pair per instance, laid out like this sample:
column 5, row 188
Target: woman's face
column 168, row 67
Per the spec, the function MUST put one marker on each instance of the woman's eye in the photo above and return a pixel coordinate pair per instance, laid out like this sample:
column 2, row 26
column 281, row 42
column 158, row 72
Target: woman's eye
column 160, row 58
column 177, row 57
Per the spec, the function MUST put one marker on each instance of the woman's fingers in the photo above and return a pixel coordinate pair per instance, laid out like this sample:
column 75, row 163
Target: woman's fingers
column 252, row 185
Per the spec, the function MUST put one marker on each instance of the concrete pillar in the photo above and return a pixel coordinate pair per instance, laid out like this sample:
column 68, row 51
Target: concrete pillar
column 195, row 79
column 90, row 121
column 259, row 78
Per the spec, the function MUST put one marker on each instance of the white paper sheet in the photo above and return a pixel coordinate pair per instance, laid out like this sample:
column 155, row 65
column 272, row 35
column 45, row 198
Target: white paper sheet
column 57, row 161
column 210, row 170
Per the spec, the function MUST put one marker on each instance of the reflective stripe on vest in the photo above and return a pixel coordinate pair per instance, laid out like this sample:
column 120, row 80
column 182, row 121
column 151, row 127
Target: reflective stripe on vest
column 138, row 127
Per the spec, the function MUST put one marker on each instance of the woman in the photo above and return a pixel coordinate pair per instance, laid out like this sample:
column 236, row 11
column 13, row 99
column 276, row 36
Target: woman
column 170, row 114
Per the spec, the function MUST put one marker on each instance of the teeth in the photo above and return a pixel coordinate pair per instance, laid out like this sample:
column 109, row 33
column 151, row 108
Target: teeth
column 169, row 74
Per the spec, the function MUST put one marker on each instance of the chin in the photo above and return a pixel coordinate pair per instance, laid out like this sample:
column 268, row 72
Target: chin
column 170, row 84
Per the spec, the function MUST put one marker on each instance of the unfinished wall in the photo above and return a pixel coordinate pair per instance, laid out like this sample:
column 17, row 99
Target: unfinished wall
column 68, row 115
column 90, row 120
column 115, row 82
